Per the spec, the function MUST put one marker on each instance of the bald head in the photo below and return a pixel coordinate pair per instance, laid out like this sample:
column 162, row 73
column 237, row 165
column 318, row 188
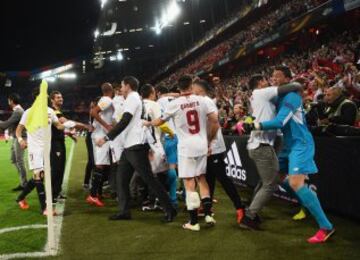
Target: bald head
column 107, row 89
column 332, row 94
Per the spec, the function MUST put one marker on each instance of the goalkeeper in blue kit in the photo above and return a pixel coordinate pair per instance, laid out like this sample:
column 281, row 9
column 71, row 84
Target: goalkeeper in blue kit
column 297, row 155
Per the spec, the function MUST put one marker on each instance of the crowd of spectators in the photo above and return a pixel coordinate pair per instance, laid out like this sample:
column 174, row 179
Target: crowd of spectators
column 321, row 69
column 262, row 27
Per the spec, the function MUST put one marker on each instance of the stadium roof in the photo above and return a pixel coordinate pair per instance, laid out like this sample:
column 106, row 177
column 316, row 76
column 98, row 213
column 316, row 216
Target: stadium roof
column 40, row 33
column 132, row 28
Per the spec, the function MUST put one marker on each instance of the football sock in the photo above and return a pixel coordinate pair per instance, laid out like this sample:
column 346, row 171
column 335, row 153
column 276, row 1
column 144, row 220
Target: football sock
column 286, row 186
column 30, row 185
column 193, row 216
column 207, row 204
column 312, row 203
column 41, row 193
column 96, row 181
column 172, row 183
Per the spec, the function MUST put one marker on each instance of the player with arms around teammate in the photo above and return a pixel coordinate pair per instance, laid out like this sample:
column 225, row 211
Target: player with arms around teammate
column 135, row 154
column 36, row 143
column 103, row 116
column 297, row 156
column 192, row 116
column 216, row 168
column 261, row 145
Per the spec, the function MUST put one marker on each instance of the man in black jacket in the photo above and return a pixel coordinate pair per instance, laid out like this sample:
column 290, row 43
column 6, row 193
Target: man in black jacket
column 340, row 110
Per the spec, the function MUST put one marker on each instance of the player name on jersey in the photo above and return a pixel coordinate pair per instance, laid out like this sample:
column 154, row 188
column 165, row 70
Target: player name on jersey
column 189, row 105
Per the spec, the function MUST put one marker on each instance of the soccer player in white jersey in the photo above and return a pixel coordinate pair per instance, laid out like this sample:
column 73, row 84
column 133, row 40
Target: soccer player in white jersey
column 103, row 116
column 36, row 143
column 193, row 115
column 153, row 111
column 117, row 146
column 135, row 154
column 170, row 143
column 216, row 168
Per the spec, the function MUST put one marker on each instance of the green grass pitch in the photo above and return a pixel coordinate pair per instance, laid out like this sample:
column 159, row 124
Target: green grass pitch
column 87, row 234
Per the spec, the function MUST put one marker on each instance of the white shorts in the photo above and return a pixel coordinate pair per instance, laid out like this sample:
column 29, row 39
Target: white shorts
column 116, row 147
column 190, row 167
column 101, row 154
column 36, row 159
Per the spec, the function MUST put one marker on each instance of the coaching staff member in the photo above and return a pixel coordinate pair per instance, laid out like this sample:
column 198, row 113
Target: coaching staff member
column 58, row 150
column 17, row 154
column 135, row 154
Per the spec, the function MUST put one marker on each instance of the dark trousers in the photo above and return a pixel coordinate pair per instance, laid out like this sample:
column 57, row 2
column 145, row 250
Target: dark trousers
column 57, row 162
column 90, row 162
column 136, row 159
column 216, row 170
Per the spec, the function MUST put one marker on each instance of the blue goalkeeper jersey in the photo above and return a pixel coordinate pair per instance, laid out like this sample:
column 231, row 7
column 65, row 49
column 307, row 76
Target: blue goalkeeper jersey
column 291, row 120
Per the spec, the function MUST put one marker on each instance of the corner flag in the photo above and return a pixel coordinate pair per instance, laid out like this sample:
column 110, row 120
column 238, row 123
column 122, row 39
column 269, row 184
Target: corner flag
column 38, row 119
column 38, row 113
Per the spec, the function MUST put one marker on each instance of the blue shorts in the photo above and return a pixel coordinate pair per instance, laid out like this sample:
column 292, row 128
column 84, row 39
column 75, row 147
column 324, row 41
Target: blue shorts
column 299, row 160
column 170, row 147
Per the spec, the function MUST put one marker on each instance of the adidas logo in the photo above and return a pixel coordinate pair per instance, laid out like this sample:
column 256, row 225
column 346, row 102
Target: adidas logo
column 234, row 166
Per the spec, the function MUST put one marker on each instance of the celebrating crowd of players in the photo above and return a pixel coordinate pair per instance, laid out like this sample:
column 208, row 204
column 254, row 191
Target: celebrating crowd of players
column 158, row 137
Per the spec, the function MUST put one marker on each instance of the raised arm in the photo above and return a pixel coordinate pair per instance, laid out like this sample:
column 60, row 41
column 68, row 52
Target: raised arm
column 77, row 125
column 288, row 107
column 290, row 87
column 13, row 119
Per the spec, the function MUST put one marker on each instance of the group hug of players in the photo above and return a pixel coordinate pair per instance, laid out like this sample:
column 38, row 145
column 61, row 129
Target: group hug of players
column 140, row 129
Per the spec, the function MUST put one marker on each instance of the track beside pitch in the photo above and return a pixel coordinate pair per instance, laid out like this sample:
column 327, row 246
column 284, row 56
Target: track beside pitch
column 87, row 234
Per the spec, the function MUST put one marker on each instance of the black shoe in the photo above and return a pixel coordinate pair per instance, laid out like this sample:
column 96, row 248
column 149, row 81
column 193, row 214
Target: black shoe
column 249, row 223
column 257, row 219
column 120, row 217
column 18, row 188
column 169, row 216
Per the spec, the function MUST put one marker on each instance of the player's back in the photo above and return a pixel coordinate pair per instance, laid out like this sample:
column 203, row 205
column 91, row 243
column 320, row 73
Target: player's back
column 153, row 111
column 164, row 102
column 118, row 104
column 295, row 131
column 106, row 106
column 190, row 119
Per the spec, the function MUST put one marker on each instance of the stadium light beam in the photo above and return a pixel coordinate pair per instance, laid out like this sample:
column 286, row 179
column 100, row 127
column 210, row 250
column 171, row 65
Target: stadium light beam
column 119, row 56
column 96, row 33
column 170, row 14
column 173, row 11
column 67, row 76
column 103, row 2
column 50, row 79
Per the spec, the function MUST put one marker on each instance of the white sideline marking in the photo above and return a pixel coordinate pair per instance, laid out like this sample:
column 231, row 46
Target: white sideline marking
column 57, row 221
column 11, row 229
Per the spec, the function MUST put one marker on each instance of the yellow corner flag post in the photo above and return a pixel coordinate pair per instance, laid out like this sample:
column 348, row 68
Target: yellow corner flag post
column 38, row 119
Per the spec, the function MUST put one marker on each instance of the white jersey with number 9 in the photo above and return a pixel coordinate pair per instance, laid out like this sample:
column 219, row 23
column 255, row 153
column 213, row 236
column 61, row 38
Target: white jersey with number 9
column 189, row 113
